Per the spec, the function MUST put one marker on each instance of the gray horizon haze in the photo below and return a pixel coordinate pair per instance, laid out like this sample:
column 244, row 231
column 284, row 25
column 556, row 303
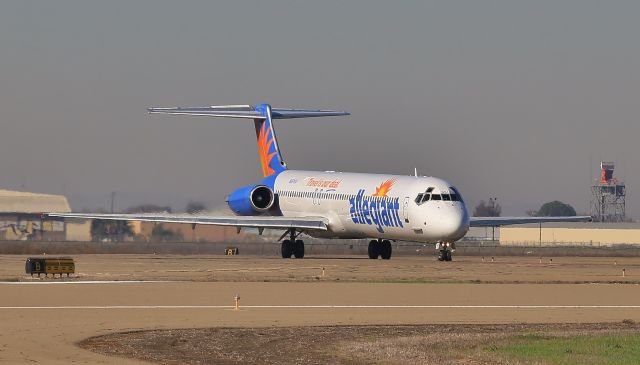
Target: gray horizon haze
column 514, row 100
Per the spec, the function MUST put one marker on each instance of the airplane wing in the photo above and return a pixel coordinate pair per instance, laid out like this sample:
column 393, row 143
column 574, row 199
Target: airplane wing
column 505, row 221
column 301, row 223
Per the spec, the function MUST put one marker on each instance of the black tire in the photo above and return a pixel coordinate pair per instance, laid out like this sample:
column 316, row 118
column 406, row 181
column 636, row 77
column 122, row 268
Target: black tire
column 386, row 249
column 448, row 256
column 374, row 250
column 298, row 249
column 287, row 249
column 442, row 255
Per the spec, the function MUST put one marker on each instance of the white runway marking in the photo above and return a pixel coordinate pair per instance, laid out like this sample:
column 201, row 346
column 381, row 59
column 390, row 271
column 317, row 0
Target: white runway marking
column 84, row 282
column 331, row 307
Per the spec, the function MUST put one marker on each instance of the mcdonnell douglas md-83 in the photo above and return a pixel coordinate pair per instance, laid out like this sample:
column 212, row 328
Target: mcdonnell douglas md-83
column 379, row 207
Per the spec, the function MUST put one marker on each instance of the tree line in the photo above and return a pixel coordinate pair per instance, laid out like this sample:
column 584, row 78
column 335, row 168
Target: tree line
column 551, row 209
column 118, row 231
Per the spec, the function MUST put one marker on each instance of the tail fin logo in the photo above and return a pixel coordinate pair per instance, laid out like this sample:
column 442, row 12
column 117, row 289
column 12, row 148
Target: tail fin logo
column 265, row 142
column 384, row 188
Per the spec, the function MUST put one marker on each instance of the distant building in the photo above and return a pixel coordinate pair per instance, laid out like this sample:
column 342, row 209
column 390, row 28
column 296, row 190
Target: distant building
column 21, row 218
column 30, row 203
column 595, row 234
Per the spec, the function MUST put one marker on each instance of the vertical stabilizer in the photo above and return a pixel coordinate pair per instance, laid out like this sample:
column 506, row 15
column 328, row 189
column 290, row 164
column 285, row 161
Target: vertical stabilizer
column 268, row 151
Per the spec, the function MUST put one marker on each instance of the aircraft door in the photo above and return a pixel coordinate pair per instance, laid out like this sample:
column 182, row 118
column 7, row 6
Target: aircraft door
column 405, row 209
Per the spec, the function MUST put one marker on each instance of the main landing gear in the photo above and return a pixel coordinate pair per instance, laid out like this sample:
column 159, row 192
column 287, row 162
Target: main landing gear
column 446, row 249
column 292, row 246
column 380, row 248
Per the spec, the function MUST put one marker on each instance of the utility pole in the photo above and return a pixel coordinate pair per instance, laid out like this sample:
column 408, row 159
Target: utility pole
column 493, row 201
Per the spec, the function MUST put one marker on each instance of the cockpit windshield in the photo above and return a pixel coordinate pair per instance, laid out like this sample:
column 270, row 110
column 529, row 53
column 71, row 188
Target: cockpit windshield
column 454, row 192
column 431, row 194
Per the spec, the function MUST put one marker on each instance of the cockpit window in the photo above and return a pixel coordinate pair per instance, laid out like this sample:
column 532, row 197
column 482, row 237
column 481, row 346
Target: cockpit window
column 455, row 194
column 452, row 195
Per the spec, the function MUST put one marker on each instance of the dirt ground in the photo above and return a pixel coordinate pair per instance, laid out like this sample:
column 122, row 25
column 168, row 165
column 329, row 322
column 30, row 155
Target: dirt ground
column 465, row 269
column 418, row 344
column 43, row 320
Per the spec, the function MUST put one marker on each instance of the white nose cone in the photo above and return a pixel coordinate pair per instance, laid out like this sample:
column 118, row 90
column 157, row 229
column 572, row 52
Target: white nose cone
column 454, row 224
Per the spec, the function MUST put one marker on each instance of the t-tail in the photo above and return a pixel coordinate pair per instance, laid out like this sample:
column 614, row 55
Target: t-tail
column 262, row 114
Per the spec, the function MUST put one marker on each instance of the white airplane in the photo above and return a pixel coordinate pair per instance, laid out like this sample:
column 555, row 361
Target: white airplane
column 341, row 205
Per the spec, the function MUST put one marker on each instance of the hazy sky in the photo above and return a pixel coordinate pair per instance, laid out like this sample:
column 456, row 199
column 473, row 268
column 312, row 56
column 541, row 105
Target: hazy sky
column 511, row 99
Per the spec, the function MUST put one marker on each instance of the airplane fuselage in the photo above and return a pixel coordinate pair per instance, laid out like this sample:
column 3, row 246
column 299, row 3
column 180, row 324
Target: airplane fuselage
column 358, row 205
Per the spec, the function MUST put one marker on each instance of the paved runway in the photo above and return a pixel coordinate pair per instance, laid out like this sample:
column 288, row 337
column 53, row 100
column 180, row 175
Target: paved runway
column 31, row 332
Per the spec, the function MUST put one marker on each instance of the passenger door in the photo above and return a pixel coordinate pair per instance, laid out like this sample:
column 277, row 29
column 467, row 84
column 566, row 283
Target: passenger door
column 405, row 210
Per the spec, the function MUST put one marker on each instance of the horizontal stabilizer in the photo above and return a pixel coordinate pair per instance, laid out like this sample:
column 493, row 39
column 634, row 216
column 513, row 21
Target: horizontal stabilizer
column 246, row 111
column 280, row 113
column 228, row 111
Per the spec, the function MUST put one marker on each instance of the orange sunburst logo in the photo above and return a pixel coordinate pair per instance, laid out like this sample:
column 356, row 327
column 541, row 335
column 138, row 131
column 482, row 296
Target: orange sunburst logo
column 264, row 145
column 384, row 188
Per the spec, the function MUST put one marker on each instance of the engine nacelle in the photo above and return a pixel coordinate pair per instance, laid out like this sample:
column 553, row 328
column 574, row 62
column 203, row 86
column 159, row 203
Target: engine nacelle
column 251, row 199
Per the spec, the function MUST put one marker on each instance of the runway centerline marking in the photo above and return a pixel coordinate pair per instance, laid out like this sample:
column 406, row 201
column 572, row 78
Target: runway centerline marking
column 331, row 307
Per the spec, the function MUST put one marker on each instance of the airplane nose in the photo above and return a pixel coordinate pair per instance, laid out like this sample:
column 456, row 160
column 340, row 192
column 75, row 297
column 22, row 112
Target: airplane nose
column 454, row 224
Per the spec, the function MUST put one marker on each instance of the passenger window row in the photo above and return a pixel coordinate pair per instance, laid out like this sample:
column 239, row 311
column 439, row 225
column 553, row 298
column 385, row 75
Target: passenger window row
column 332, row 196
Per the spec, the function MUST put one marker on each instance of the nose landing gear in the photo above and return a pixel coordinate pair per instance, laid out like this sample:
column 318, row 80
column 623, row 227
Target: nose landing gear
column 446, row 249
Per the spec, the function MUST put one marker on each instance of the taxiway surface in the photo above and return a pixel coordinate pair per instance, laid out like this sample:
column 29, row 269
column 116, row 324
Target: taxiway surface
column 43, row 320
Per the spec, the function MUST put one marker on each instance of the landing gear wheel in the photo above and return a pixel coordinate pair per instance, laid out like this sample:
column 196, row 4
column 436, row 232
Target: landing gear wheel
column 374, row 250
column 287, row 249
column 298, row 249
column 385, row 249
column 447, row 256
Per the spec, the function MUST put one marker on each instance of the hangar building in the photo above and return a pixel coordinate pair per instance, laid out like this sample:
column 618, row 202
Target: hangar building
column 21, row 219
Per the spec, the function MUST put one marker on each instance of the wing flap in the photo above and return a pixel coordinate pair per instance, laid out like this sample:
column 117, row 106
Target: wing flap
column 307, row 223
column 505, row 221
